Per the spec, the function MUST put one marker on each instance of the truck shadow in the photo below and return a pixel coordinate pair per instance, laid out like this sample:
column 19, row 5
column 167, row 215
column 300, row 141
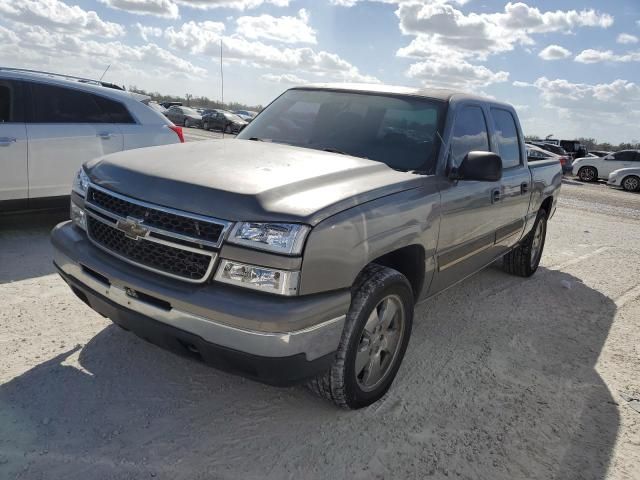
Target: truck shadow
column 499, row 382
column 25, row 251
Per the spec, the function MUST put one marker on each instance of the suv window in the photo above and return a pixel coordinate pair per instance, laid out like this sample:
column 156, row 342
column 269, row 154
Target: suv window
column 117, row 112
column 625, row 156
column 469, row 134
column 53, row 104
column 507, row 137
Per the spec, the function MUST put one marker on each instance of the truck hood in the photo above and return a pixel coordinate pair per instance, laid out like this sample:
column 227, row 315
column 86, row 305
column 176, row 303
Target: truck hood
column 247, row 180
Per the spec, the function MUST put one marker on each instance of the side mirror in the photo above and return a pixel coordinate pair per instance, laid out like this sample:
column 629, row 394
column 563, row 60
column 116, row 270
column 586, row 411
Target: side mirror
column 481, row 166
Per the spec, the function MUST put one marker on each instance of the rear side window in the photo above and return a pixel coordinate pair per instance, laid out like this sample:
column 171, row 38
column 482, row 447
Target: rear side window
column 469, row 134
column 52, row 104
column 507, row 137
column 117, row 112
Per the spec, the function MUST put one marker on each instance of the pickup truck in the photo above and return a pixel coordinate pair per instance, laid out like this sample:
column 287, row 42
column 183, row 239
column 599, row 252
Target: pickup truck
column 297, row 251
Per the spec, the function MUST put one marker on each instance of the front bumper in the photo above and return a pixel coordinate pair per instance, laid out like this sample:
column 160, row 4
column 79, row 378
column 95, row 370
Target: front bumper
column 273, row 339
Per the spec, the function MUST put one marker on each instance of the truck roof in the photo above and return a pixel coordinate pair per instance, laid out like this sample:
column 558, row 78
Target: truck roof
column 444, row 94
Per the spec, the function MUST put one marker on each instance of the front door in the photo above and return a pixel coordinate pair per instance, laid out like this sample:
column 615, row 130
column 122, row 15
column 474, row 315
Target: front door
column 469, row 218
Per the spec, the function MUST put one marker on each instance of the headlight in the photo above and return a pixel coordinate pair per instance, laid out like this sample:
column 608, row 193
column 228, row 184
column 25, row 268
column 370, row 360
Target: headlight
column 282, row 282
column 78, row 217
column 285, row 238
column 81, row 183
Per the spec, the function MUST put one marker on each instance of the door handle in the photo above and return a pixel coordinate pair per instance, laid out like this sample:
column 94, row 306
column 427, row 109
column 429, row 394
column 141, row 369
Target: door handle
column 495, row 195
column 6, row 141
column 105, row 135
column 524, row 187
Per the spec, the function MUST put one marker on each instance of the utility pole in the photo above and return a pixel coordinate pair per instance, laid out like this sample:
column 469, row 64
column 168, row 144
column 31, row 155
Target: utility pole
column 221, row 74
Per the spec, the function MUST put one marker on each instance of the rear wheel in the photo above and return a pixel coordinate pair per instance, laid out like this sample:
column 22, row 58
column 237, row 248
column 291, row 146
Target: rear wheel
column 205, row 125
column 525, row 258
column 588, row 174
column 227, row 129
column 631, row 183
column 374, row 340
column 187, row 123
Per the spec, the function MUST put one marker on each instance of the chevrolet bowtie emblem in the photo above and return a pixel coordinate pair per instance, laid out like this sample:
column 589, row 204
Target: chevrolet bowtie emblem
column 132, row 228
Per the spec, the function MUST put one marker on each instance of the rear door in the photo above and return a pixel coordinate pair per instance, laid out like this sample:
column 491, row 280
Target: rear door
column 66, row 127
column 14, row 182
column 469, row 213
column 515, row 189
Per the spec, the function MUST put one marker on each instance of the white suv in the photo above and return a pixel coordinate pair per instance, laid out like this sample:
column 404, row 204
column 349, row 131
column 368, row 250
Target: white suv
column 590, row 169
column 51, row 124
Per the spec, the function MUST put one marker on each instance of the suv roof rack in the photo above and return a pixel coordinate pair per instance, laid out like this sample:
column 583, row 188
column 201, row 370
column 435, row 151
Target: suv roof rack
column 67, row 77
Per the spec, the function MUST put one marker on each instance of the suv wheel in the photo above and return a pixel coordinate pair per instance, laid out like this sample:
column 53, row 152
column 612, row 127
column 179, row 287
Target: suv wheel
column 525, row 258
column 588, row 174
column 374, row 340
column 631, row 183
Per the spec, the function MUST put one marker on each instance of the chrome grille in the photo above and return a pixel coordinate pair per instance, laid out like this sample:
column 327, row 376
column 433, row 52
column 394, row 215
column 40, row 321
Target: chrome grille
column 166, row 241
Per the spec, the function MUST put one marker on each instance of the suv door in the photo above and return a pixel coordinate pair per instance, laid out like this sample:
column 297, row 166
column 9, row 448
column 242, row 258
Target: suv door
column 14, row 183
column 515, row 189
column 469, row 216
column 65, row 128
column 615, row 161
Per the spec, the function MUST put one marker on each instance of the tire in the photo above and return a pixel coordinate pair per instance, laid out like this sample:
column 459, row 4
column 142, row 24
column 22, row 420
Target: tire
column 631, row 183
column 525, row 258
column 588, row 174
column 205, row 126
column 227, row 129
column 377, row 290
column 187, row 123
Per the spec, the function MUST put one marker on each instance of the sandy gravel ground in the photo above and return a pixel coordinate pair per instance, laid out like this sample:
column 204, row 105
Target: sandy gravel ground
column 504, row 378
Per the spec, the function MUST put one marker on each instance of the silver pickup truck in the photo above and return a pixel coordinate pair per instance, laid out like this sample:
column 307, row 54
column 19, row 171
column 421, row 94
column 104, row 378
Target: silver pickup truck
column 297, row 252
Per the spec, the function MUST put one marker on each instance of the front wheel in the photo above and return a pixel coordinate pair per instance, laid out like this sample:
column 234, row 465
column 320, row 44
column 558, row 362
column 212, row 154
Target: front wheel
column 374, row 340
column 227, row 129
column 187, row 123
column 205, row 125
column 525, row 258
column 631, row 183
column 588, row 174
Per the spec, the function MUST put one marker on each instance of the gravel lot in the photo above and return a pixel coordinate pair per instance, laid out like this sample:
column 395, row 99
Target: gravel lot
column 504, row 378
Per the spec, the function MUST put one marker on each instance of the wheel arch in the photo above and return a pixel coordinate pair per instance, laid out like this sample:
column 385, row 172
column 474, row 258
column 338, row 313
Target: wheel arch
column 409, row 261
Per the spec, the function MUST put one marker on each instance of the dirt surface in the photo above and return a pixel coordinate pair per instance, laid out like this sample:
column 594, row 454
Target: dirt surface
column 504, row 378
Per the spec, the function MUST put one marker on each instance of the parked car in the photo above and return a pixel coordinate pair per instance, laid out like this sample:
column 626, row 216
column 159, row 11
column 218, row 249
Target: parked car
column 550, row 147
column 168, row 105
column 626, row 178
column 591, row 169
column 298, row 251
column 50, row 124
column 185, row 116
column 536, row 154
column 224, row 121
column 246, row 115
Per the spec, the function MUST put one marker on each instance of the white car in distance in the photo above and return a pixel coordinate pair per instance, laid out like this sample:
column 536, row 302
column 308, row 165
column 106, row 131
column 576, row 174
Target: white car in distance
column 51, row 124
column 590, row 169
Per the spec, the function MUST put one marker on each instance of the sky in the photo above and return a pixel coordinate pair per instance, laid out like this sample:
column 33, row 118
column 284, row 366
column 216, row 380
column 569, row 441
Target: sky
column 571, row 67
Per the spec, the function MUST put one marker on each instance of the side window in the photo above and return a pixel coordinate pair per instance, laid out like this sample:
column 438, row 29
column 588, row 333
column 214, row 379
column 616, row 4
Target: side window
column 11, row 105
column 52, row 104
column 117, row 112
column 469, row 134
column 507, row 137
column 625, row 156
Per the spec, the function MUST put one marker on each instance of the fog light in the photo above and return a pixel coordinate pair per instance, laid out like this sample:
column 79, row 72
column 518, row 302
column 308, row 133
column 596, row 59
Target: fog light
column 78, row 217
column 282, row 282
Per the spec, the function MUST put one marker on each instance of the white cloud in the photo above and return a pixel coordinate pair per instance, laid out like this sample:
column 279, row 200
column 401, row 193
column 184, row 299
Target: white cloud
column 284, row 79
column 596, row 56
column 237, row 4
column 195, row 36
column 520, row 84
column 554, row 52
column 626, row 38
column 159, row 8
column 279, row 29
column 457, row 74
column 147, row 32
column 57, row 16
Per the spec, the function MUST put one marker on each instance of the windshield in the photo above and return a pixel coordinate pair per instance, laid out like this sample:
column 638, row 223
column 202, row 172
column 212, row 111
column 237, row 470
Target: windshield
column 189, row 111
column 233, row 117
column 400, row 131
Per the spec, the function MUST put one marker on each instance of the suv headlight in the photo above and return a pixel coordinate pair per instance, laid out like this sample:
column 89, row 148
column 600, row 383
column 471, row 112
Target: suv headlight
column 283, row 238
column 81, row 183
